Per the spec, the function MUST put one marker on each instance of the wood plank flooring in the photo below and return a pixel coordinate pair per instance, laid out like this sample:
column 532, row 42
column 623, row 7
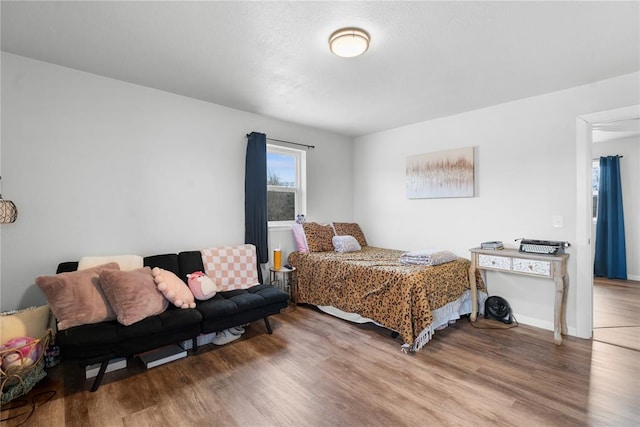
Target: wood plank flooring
column 616, row 312
column 316, row 370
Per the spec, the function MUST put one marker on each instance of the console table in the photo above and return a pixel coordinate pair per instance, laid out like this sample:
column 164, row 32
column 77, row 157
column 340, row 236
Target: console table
column 512, row 261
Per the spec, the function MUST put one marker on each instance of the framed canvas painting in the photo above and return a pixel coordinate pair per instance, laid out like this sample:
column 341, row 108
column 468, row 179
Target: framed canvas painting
column 441, row 174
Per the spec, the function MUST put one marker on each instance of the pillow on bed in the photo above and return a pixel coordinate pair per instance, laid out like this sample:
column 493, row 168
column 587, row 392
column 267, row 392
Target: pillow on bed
column 318, row 237
column 350, row 229
column 301, row 240
column 345, row 244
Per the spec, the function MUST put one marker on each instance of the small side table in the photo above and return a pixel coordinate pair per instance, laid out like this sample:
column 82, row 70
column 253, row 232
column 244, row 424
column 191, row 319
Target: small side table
column 280, row 279
column 552, row 267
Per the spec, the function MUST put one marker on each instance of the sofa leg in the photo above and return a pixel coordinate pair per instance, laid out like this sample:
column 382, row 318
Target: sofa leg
column 98, row 380
column 266, row 322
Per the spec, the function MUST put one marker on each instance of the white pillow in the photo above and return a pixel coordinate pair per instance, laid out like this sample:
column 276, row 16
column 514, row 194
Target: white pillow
column 345, row 244
column 125, row 262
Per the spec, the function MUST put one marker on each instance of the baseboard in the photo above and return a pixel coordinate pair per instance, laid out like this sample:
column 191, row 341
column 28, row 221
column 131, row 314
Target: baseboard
column 633, row 277
column 542, row 324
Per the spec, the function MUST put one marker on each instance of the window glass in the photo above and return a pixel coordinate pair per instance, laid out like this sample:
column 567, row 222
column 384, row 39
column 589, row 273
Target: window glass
column 281, row 206
column 285, row 184
column 595, row 185
column 281, row 169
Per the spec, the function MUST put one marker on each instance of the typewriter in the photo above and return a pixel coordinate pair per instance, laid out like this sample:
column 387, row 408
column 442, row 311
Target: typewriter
column 542, row 247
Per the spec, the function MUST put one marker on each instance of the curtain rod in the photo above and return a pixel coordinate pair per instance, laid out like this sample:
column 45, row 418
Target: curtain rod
column 608, row 156
column 289, row 142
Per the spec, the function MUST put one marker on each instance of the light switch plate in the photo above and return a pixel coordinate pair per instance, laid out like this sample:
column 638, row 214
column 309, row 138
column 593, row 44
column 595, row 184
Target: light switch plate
column 558, row 221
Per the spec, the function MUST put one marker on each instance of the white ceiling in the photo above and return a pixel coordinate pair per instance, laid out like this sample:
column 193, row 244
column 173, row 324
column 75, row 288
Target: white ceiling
column 618, row 129
column 426, row 60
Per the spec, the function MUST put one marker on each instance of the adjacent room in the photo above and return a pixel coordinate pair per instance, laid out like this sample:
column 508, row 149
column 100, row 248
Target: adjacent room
column 319, row 213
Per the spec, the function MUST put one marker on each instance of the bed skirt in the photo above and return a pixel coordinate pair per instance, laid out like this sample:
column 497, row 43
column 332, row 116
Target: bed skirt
column 442, row 317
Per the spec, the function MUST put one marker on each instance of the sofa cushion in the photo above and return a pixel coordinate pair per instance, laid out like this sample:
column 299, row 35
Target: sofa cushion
column 132, row 294
column 76, row 298
column 237, row 301
column 87, row 335
column 189, row 262
column 167, row 262
column 171, row 319
column 125, row 262
column 270, row 294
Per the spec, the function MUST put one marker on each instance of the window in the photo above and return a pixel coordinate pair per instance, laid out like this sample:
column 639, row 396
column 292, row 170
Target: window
column 286, row 189
column 595, row 185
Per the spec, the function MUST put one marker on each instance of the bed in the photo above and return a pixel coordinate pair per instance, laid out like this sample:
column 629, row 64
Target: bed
column 372, row 285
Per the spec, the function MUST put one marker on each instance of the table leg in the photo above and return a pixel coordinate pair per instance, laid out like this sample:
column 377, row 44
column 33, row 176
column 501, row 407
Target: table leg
column 473, row 289
column 563, row 313
column 558, row 309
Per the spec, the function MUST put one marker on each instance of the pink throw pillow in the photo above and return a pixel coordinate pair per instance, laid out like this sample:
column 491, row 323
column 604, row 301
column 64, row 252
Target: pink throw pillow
column 76, row 298
column 132, row 294
column 173, row 288
column 299, row 237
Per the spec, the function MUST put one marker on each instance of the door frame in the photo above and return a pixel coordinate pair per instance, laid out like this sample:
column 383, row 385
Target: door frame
column 584, row 209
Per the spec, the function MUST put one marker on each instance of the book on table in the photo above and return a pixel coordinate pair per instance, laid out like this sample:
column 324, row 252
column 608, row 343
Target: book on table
column 492, row 245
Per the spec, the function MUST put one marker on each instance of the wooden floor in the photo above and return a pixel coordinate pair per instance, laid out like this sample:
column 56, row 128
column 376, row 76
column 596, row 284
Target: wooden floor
column 316, row 370
column 616, row 312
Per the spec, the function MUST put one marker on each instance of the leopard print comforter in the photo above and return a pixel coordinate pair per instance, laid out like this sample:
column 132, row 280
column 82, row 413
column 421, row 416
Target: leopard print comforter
column 374, row 284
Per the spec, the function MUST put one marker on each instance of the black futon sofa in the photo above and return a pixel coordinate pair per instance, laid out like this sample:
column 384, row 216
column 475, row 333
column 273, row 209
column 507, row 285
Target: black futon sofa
column 101, row 342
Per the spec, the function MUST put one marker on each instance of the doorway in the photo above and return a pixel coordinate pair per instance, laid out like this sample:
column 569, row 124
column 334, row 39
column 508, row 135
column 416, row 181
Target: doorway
column 584, row 208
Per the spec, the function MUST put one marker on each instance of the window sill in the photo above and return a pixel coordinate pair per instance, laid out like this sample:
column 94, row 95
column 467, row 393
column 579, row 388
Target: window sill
column 281, row 226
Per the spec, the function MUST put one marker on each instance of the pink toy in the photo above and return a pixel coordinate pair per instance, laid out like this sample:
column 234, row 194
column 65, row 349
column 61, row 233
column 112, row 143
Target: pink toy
column 173, row 289
column 201, row 285
column 26, row 353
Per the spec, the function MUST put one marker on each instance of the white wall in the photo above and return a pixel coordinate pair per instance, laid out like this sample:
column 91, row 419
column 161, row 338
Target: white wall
column 97, row 166
column 525, row 174
column 630, row 177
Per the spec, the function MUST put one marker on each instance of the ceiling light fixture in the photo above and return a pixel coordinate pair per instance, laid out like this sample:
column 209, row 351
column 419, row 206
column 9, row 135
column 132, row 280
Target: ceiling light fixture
column 349, row 42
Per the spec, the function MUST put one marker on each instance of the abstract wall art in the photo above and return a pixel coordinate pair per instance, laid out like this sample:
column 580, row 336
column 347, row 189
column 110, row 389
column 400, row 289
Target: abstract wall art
column 441, row 174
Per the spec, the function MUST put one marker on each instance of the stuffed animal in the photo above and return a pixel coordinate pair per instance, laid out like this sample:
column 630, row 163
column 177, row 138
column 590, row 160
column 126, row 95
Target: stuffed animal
column 201, row 285
column 26, row 352
column 173, row 289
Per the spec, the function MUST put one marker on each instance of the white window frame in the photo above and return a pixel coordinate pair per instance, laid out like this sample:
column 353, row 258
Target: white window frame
column 594, row 194
column 300, row 190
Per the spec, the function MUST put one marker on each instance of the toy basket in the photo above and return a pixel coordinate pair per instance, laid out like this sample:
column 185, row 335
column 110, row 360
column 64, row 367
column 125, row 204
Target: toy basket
column 25, row 371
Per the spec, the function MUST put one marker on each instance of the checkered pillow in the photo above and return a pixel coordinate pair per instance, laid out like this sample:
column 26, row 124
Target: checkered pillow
column 231, row 267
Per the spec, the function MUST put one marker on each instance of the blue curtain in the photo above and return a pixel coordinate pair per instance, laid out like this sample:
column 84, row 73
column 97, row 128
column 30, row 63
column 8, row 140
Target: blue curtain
column 611, row 255
column 255, row 197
